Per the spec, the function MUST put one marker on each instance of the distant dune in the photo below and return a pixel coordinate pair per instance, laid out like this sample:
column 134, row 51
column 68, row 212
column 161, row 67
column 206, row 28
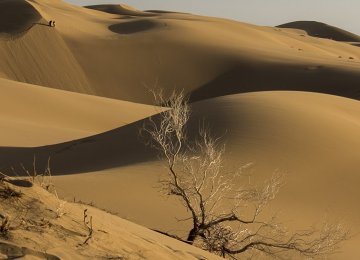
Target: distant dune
column 119, row 9
column 205, row 56
column 323, row 30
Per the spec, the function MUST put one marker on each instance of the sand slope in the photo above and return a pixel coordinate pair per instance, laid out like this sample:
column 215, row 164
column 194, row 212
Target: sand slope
column 118, row 52
column 322, row 30
column 31, row 115
column 53, row 230
column 311, row 137
column 41, row 57
column 214, row 57
column 16, row 16
column 289, row 131
column 207, row 56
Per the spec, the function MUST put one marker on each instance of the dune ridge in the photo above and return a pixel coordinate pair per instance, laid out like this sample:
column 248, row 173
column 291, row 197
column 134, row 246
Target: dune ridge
column 33, row 115
column 289, row 131
column 322, row 30
column 16, row 16
column 41, row 57
column 186, row 51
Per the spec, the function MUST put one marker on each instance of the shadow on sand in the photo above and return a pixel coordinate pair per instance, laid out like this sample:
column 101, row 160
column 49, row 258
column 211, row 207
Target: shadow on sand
column 132, row 27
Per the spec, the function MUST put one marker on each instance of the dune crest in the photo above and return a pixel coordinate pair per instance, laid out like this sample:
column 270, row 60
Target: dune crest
column 205, row 56
column 32, row 115
column 42, row 57
column 322, row 30
column 17, row 16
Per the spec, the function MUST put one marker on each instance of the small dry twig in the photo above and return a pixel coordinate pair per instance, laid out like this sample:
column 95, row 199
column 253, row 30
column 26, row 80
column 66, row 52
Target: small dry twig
column 5, row 227
column 88, row 224
column 6, row 192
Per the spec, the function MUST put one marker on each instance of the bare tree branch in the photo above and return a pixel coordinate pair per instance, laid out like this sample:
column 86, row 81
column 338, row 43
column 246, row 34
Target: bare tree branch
column 225, row 212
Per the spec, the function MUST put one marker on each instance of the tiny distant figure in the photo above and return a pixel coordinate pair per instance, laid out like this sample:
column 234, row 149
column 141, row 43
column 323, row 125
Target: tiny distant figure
column 52, row 23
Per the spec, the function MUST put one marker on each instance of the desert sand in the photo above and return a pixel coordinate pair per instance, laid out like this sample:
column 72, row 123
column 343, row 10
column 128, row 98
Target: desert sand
column 282, row 98
column 322, row 30
column 59, row 232
column 33, row 115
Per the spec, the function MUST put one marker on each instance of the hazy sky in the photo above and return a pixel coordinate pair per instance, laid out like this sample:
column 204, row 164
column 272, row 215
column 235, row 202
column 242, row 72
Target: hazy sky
column 341, row 13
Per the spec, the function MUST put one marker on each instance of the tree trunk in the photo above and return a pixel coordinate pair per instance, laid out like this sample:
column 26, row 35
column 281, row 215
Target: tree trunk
column 192, row 235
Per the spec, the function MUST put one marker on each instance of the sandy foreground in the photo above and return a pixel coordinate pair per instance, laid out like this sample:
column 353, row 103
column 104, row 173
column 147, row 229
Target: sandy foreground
column 61, row 231
column 78, row 93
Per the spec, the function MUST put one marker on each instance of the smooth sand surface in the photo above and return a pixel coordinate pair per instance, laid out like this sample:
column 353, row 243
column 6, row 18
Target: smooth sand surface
column 41, row 57
column 312, row 137
column 114, row 54
column 32, row 115
column 209, row 56
column 59, row 228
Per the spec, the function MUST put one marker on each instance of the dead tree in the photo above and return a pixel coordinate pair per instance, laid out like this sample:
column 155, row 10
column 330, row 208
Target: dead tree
column 225, row 214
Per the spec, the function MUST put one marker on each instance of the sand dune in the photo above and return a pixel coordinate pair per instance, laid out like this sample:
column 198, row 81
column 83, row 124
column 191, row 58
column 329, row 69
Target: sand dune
column 32, row 115
column 16, row 16
column 275, row 130
column 207, row 56
column 115, row 53
column 44, row 234
column 323, row 30
column 231, row 115
column 186, row 51
column 115, row 148
column 41, row 57
column 311, row 137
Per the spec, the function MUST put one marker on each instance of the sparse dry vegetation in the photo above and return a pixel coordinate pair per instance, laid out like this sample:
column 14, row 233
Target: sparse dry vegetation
column 88, row 224
column 43, row 178
column 226, row 212
column 5, row 226
column 6, row 192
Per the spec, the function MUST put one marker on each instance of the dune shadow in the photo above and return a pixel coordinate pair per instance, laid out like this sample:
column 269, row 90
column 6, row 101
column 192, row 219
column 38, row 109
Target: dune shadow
column 17, row 16
column 244, row 77
column 163, row 12
column 20, row 252
column 116, row 148
column 119, row 10
column 42, row 24
column 132, row 27
column 322, row 30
